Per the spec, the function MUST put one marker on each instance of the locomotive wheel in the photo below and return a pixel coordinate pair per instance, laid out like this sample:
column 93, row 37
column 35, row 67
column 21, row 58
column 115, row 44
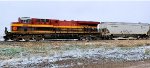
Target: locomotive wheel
column 88, row 38
column 38, row 38
column 16, row 39
column 82, row 38
column 27, row 38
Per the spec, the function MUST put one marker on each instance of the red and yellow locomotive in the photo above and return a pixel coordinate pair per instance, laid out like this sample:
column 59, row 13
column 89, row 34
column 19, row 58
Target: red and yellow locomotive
column 37, row 29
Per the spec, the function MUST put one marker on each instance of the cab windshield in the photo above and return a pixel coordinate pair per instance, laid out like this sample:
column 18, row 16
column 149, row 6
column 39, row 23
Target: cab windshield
column 25, row 19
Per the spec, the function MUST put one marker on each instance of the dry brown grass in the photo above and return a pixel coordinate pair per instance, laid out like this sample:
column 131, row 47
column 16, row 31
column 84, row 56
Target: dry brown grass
column 99, row 42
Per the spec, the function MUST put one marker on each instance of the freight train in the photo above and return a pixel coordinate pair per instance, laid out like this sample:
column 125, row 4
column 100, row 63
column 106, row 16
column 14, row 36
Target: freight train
column 27, row 29
column 38, row 29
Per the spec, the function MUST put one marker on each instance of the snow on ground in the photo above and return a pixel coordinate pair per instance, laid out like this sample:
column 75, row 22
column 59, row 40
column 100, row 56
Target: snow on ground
column 113, row 53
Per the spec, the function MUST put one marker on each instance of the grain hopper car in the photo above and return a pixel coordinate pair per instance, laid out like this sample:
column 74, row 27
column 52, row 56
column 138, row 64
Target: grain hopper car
column 124, row 30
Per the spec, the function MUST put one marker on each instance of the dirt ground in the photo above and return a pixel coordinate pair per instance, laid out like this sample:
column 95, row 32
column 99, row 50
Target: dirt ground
column 106, row 64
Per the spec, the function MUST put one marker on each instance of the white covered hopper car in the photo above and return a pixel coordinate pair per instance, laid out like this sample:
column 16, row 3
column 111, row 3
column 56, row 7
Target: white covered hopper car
column 124, row 30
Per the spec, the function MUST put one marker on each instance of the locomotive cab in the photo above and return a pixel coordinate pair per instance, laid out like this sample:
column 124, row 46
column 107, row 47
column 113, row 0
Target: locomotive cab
column 25, row 20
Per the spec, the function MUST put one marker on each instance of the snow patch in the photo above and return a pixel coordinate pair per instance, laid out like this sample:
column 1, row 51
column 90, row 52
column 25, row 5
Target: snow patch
column 113, row 53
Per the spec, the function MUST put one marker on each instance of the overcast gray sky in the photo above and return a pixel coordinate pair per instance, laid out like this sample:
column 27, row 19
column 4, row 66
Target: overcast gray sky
column 115, row 11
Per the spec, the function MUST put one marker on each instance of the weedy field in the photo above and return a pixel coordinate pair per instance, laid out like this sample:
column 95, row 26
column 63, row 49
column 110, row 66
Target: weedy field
column 75, row 54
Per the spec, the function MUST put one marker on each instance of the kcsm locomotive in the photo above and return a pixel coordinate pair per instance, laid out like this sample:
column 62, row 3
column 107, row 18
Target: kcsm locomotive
column 38, row 29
